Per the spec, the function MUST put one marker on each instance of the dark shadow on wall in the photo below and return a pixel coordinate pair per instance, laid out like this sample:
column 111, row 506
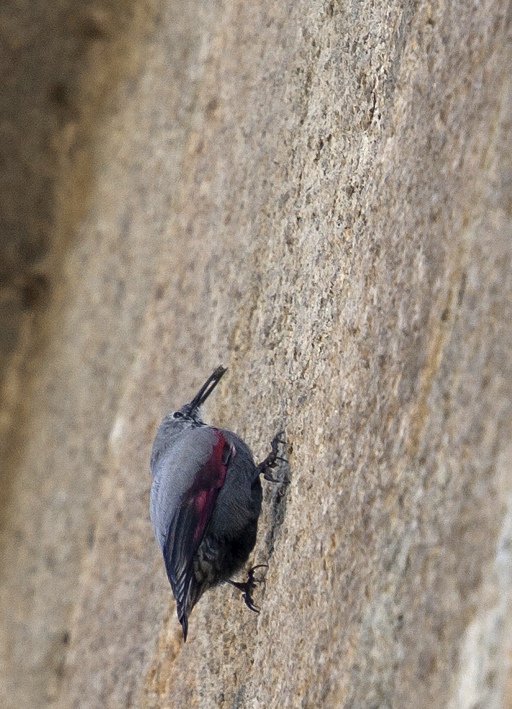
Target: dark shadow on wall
column 60, row 62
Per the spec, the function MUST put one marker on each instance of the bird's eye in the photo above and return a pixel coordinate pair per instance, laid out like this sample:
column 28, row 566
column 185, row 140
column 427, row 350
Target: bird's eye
column 177, row 415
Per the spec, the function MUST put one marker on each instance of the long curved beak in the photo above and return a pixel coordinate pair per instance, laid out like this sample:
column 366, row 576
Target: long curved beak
column 207, row 388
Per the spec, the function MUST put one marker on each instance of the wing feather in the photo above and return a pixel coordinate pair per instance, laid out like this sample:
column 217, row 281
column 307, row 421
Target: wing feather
column 188, row 527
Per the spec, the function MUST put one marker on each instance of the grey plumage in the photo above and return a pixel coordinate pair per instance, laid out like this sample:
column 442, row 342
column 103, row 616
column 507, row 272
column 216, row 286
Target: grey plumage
column 205, row 501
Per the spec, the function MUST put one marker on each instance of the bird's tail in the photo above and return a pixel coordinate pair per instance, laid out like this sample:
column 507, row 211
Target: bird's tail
column 185, row 605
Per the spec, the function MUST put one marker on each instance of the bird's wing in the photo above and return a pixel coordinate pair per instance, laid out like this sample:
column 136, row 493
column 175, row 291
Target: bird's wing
column 188, row 526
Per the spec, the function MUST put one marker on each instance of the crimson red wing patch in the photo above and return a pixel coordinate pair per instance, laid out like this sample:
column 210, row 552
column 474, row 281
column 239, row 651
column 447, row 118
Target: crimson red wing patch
column 189, row 525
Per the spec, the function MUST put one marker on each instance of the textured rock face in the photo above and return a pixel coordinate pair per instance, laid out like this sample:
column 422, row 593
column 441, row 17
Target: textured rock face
column 318, row 196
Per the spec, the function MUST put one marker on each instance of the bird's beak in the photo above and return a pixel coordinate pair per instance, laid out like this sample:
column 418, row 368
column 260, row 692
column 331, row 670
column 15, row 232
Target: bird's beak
column 207, row 388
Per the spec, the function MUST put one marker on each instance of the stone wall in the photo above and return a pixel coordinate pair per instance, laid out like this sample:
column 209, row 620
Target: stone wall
column 318, row 196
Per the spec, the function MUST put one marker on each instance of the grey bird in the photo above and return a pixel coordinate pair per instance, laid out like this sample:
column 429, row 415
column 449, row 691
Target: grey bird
column 205, row 502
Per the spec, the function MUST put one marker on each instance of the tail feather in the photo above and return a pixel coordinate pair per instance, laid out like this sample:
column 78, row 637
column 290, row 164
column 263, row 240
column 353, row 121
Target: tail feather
column 186, row 602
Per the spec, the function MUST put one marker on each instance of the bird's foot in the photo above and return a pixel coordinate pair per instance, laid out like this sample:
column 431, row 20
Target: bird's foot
column 248, row 586
column 272, row 459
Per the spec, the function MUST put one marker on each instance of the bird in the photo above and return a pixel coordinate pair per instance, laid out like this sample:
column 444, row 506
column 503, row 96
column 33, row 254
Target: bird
column 205, row 502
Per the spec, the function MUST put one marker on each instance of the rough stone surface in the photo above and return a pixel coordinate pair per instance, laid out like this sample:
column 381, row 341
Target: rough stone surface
column 317, row 195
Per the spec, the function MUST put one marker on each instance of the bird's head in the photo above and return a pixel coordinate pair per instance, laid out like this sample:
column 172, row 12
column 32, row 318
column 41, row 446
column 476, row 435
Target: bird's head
column 188, row 416
column 191, row 412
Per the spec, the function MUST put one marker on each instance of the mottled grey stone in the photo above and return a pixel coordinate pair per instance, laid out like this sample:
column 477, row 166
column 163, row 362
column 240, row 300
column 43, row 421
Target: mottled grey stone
column 318, row 196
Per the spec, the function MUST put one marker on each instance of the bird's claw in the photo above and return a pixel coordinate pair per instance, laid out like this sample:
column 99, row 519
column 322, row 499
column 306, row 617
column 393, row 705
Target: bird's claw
column 272, row 458
column 248, row 586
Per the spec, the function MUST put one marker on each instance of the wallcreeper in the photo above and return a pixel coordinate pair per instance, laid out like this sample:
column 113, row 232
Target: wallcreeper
column 205, row 502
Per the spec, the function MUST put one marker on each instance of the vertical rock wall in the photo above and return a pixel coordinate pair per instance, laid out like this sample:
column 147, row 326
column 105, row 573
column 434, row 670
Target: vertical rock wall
column 318, row 196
